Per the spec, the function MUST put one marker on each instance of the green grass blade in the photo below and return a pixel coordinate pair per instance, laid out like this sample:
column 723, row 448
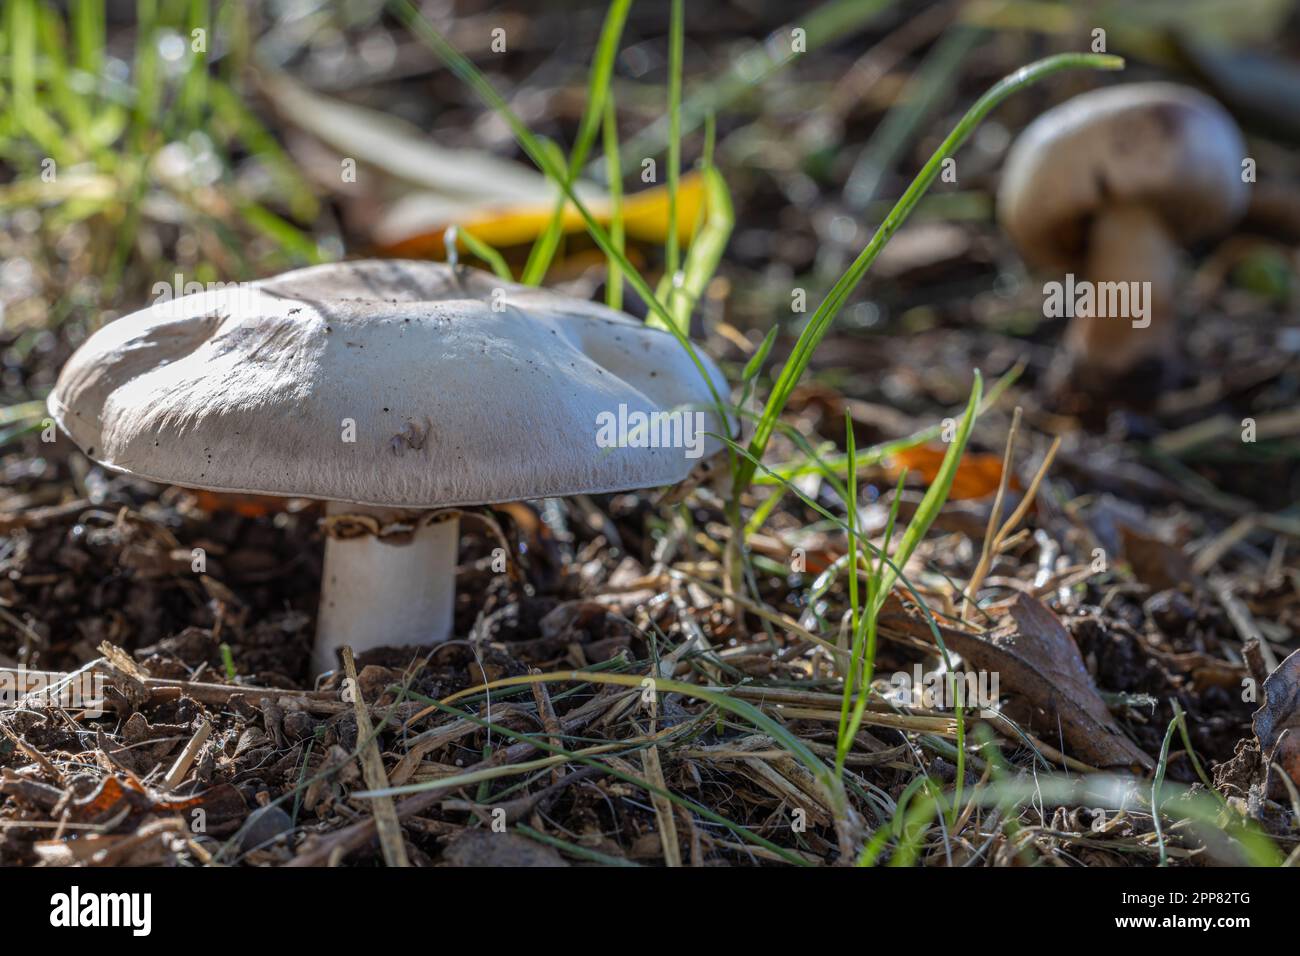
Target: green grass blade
column 755, row 363
column 836, row 20
column 826, row 312
column 53, row 45
column 614, row 176
column 194, row 86
column 237, row 121
column 147, row 74
column 843, row 740
column 543, row 744
column 598, row 82
column 1156, row 785
column 287, row 236
column 472, row 77
column 930, row 85
column 884, row 581
column 23, row 27
column 676, row 39
column 88, row 35
column 742, row 709
column 813, row 505
column 478, row 247
column 582, row 852
column 937, row 493
column 1191, row 750
column 706, row 251
column 878, row 453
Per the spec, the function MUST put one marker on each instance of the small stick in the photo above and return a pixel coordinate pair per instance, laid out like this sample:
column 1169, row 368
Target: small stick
column 995, row 515
column 546, row 711
column 982, row 569
column 39, row 517
column 943, row 726
column 1236, row 532
column 33, row 791
column 186, row 760
column 354, row 835
column 34, row 754
column 162, row 689
column 663, row 806
column 1243, row 622
column 387, row 824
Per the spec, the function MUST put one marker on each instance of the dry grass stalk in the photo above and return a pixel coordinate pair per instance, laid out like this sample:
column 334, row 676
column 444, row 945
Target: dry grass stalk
column 992, row 547
column 387, row 824
column 186, row 759
column 663, row 806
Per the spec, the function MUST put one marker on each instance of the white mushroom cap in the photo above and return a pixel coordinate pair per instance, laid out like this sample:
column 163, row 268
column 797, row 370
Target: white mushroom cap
column 1165, row 146
column 462, row 389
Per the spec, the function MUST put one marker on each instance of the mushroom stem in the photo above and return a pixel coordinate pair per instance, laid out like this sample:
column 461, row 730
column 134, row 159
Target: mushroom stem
column 383, row 592
column 1127, row 243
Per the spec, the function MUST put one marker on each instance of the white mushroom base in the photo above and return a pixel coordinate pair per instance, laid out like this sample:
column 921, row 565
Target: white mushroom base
column 378, row 593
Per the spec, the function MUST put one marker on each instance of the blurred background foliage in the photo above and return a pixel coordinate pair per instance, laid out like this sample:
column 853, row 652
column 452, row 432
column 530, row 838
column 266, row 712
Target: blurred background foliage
column 179, row 141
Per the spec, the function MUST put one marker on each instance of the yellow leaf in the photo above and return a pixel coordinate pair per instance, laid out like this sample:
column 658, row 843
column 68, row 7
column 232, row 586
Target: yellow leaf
column 645, row 218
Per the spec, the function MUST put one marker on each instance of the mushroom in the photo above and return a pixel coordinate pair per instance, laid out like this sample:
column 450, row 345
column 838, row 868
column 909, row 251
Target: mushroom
column 397, row 392
column 1112, row 183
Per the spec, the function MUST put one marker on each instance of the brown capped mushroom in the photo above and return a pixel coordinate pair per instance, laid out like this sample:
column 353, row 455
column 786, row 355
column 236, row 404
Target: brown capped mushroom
column 391, row 390
column 1112, row 184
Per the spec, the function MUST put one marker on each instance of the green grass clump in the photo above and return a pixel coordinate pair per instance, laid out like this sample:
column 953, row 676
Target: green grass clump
column 87, row 144
column 670, row 307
